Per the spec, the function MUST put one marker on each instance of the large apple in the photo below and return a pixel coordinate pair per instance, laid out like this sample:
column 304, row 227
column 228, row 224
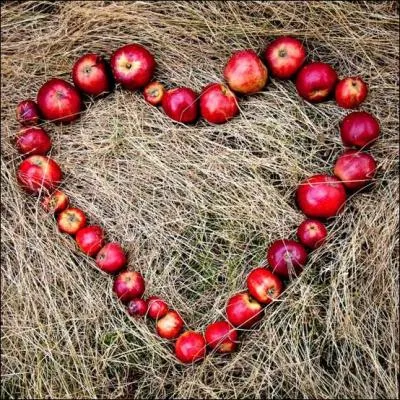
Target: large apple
column 111, row 258
column 243, row 311
column 221, row 336
column 129, row 285
column 33, row 140
column 180, row 104
column 351, row 92
column 190, row 347
column 263, row 285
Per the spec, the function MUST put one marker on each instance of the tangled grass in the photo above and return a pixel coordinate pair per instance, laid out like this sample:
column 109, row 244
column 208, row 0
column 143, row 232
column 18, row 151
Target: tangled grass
column 197, row 206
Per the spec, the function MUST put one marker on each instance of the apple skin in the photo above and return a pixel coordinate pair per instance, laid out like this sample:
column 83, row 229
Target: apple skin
column 71, row 220
column 321, row 196
column 359, row 129
column 37, row 173
column 350, row 92
column 111, row 258
column 355, row 169
column 56, row 202
column 90, row 75
column 170, row 325
column 33, row 141
column 312, row 233
column 157, row 308
column 137, row 308
column 190, row 347
column 90, row 239
column 153, row 93
column 285, row 56
column 263, row 285
column 28, row 113
column 59, row 101
column 181, row 105
column 243, row 311
column 129, row 285
column 218, row 104
column 132, row 66
column 316, row 81
column 245, row 73
column 221, row 337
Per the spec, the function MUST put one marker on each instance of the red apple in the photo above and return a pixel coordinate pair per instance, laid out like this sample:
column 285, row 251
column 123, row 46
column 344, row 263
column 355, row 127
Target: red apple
column 157, row 308
column 90, row 239
column 111, row 258
column 355, row 169
column 170, row 325
column 359, row 129
column 71, row 220
column 133, row 66
column 284, row 57
column 33, row 141
column 28, row 113
column 312, row 233
column 243, row 311
column 218, row 103
column 286, row 257
column 153, row 93
column 221, row 337
column 37, row 173
column 263, row 285
column 245, row 73
column 351, row 92
column 321, row 196
column 55, row 202
column 190, row 347
column 180, row 104
column 316, row 81
column 90, row 75
column 137, row 307
column 129, row 285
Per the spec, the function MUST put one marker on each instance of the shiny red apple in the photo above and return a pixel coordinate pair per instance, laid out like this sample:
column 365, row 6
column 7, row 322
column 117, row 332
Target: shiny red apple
column 137, row 308
column 55, row 202
column 221, row 337
column 243, row 311
column 351, row 92
column 111, row 258
column 157, row 308
column 180, row 104
column 33, row 140
column 28, row 113
column 129, row 285
column 153, row 93
column 71, row 220
column 263, row 285
column 170, row 325
column 312, row 233
column 190, row 347
column 90, row 239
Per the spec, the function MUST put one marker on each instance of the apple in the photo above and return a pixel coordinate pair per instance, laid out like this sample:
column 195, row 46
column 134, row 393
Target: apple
column 157, row 308
column 190, row 347
column 359, row 129
column 350, row 92
column 137, row 307
column 221, row 337
column 321, row 196
column 355, row 169
column 218, row 103
column 243, row 311
column 170, row 325
column 263, row 285
column 153, row 93
column 284, row 57
column 245, row 73
column 111, row 258
column 71, row 220
column 316, row 81
column 33, row 141
column 37, row 173
column 129, row 285
column 90, row 75
column 28, row 113
column 312, row 233
column 180, row 104
column 286, row 257
column 132, row 66
column 90, row 239
column 55, row 202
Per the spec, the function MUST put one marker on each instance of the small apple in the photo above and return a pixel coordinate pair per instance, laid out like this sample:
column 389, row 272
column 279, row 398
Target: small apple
column 180, row 104
column 359, row 129
column 243, row 311
column 316, row 81
column 90, row 239
column 321, row 196
column 33, row 141
column 137, row 307
column 221, row 337
column 157, row 308
column 71, row 220
column 37, row 173
column 218, row 103
column 111, row 258
column 351, row 92
column 355, row 169
column 190, row 347
column 245, row 73
column 312, row 233
column 170, row 325
column 55, row 202
column 284, row 57
column 90, row 75
column 132, row 66
column 263, row 285
column 153, row 93
column 286, row 257
column 129, row 285
column 28, row 113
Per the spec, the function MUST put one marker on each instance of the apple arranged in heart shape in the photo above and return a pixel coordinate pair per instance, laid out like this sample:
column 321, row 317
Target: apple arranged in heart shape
column 320, row 197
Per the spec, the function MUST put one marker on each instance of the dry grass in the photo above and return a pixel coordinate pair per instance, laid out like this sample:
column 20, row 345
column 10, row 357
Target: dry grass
column 197, row 206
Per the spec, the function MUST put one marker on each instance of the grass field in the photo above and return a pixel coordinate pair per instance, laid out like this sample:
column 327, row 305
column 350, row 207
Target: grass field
column 197, row 206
